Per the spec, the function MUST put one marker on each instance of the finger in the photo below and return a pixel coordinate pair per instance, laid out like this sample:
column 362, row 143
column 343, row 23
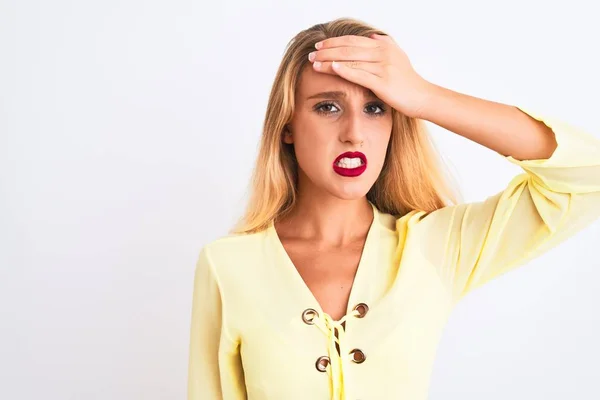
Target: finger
column 358, row 76
column 384, row 38
column 371, row 67
column 347, row 40
column 348, row 53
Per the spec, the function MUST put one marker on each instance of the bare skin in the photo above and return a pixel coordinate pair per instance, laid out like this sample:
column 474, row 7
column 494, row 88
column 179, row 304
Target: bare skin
column 327, row 269
column 324, row 236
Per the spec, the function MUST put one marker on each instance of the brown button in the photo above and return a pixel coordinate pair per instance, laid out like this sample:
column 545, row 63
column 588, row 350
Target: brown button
column 309, row 315
column 322, row 363
column 358, row 356
column 362, row 309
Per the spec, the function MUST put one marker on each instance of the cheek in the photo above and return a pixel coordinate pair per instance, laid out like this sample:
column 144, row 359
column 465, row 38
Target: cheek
column 383, row 142
column 312, row 154
column 379, row 145
column 313, row 141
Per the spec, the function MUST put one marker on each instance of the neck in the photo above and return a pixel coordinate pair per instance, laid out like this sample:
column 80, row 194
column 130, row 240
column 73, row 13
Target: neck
column 328, row 219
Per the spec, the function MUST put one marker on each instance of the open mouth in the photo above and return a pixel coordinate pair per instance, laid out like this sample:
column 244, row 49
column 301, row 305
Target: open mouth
column 350, row 163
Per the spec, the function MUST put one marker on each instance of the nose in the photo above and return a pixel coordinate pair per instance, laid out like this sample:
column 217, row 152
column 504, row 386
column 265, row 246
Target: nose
column 353, row 129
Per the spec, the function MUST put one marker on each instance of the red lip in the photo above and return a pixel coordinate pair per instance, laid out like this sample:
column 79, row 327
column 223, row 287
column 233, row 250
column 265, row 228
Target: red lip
column 350, row 171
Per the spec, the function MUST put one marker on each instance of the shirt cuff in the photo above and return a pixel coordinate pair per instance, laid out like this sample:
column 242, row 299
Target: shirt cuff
column 576, row 148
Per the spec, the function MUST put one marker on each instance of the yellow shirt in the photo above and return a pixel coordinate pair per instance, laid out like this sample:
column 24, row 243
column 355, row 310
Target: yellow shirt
column 254, row 337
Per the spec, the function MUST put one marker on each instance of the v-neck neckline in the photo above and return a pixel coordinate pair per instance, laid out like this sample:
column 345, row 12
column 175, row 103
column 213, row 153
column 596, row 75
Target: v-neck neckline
column 357, row 288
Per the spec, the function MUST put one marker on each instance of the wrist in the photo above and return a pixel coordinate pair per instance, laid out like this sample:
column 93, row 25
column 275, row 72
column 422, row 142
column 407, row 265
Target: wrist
column 429, row 92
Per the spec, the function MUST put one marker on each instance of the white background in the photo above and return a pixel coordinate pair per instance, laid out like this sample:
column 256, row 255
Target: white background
column 128, row 130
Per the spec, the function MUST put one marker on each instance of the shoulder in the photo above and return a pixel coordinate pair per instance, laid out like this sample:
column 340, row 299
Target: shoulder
column 232, row 254
column 234, row 243
column 393, row 223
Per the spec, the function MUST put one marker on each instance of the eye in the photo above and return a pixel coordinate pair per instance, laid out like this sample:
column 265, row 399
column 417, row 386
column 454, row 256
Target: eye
column 326, row 108
column 372, row 108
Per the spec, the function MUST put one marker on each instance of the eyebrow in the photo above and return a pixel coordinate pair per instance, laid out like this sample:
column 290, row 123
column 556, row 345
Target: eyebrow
column 338, row 94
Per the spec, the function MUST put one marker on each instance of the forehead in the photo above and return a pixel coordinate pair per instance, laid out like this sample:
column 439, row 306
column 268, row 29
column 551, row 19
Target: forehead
column 312, row 82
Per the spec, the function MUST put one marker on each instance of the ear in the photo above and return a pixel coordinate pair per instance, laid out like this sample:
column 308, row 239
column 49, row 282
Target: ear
column 287, row 135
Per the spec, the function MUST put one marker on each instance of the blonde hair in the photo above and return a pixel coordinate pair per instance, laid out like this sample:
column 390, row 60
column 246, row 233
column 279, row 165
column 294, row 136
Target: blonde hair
column 410, row 179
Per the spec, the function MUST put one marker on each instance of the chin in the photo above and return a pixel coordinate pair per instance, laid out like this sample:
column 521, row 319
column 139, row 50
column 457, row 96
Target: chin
column 350, row 191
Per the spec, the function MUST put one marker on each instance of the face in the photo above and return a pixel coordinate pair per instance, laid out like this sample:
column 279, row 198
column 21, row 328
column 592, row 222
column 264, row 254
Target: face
column 334, row 116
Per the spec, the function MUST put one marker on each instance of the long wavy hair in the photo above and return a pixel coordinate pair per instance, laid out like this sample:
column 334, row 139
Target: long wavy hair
column 411, row 177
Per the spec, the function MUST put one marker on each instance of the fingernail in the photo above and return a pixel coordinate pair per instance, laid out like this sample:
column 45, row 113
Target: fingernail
column 311, row 56
column 318, row 45
column 335, row 65
column 317, row 64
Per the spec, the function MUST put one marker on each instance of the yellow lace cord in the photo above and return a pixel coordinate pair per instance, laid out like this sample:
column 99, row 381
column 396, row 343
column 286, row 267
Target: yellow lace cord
column 336, row 362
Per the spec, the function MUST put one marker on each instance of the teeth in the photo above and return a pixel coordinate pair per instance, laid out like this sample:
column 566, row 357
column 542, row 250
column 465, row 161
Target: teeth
column 349, row 162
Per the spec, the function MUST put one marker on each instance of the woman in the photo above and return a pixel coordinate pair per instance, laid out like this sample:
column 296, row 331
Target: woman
column 339, row 279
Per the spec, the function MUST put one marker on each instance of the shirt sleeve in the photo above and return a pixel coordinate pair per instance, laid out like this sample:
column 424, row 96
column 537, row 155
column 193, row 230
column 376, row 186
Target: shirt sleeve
column 214, row 369
column 548, row 202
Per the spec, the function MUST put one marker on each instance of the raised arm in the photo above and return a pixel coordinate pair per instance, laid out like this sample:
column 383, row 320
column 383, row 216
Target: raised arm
column 502, row 128
column 555, row 197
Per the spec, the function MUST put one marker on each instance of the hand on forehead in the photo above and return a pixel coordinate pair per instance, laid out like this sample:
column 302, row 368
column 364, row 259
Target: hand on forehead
column 313, row 82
